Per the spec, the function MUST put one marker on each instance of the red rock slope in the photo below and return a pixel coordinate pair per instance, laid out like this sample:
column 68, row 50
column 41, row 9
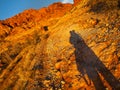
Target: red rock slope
column 79, row 50
column 55, row 10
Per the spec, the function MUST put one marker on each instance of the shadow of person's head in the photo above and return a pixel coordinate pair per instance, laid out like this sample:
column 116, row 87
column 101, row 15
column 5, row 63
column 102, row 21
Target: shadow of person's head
column 75, row 39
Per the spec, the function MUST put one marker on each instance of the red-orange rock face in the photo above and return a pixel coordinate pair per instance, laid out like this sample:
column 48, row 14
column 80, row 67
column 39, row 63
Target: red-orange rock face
column 54, row 10
column 76, row 1
column 62, row 48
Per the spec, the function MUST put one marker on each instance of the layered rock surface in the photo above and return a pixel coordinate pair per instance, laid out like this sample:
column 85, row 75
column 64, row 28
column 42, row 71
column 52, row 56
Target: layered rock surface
column 79, row 50
column 76, row 1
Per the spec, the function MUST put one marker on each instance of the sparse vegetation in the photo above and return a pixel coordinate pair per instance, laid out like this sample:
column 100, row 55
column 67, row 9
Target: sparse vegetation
column 45, row 28
column 59, row 50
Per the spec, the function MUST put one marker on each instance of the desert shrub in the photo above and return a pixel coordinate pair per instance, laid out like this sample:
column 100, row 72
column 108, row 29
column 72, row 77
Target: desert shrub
column 15, row 49
column 119, row 3
column 35, row 38
column 46, row 36
column 98, row 7
column 45, row 28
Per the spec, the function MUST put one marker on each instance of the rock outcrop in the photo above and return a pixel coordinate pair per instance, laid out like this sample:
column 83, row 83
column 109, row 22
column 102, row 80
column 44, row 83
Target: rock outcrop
column 32, row 15
column 75, row 50
column 76, row 1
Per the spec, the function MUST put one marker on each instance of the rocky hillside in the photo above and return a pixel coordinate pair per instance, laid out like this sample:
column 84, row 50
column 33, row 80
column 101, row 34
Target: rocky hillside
column 62, row 47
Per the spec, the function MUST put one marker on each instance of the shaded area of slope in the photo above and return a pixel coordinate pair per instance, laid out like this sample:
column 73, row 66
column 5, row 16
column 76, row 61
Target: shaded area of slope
column 88, row 63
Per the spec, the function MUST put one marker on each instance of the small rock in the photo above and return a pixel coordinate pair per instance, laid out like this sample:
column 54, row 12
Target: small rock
column 94, row 21
column 48, row 77
column 107, row 89
column 57, row 65
column 59, row 89
column 58, row 74
column 116, row 70
column 107, row 24
column 55, row 70
column 51, row 88
column 69, row 62
column 46, row 83
column 62, row 82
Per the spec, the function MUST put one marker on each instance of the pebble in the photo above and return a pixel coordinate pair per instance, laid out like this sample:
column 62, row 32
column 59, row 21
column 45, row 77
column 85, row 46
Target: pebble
column 69, row 62
column 107, row 89
column 107, row 24
column 116, row 70
column 59, row 89
column 94, row 21
column 62, row 82
column 55, row 70
column 46, row 83
column 58, row 73
column 57, row 65
column 51, row 88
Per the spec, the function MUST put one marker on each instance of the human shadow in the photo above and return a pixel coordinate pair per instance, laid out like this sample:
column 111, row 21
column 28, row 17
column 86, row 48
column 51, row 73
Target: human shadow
column 88, row 63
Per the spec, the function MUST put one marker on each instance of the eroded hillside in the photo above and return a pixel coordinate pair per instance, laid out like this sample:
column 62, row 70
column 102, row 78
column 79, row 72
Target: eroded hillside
column 74, row 49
